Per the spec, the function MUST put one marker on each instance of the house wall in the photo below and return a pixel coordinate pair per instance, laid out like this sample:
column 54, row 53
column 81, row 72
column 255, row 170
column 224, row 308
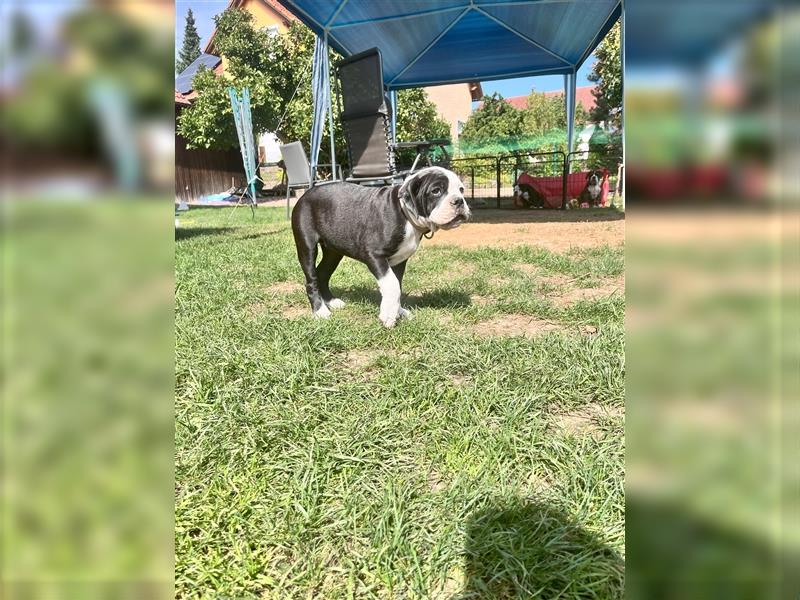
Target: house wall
column 453, row 103
column 264, row 15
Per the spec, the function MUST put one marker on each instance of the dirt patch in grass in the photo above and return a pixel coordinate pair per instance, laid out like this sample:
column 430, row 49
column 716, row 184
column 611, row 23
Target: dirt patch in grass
column 284, row 288
column 256, row 308
column 552, row 229
column 459, row 269
column 499, row 281
column 573, row 295
column 587, row 420
column 459, row 380
column 479, row 300
column 514, row 325
column 528, row 268
column 359, row 359
column 295, row 311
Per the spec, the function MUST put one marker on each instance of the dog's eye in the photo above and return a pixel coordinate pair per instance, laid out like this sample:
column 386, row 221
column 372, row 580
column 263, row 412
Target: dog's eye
column 436, row 191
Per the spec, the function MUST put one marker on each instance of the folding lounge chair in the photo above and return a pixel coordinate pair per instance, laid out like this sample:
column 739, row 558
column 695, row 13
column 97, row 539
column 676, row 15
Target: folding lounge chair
column 298, row 171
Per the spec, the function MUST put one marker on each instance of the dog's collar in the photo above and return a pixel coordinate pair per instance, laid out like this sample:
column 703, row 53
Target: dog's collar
column 422, row 224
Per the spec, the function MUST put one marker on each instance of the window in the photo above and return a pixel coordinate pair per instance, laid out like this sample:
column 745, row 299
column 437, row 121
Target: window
column 272, row 30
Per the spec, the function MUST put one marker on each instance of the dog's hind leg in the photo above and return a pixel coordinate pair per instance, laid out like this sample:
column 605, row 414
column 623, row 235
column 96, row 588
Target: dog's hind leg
column 330, row 260
column 307, row 255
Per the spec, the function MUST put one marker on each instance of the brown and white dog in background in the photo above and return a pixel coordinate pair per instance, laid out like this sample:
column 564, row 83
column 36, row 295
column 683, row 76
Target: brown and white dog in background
column 592, row 192
column 526, row 196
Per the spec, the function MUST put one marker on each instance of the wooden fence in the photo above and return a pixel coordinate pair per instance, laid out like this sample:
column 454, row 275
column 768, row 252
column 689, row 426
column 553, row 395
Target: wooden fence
column 202, row 172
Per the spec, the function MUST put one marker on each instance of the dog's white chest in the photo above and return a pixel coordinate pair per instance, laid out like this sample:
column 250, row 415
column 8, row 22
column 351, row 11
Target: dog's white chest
column 594, row 190
column 407, row 247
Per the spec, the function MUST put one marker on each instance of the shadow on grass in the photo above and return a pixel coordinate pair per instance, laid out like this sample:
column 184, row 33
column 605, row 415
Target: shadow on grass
column 185, row 233
column 527, row 549
column 435, row 299
column 676, row 554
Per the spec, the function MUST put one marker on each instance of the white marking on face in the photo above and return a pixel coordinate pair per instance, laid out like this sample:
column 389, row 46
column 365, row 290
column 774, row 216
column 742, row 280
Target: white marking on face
column 390, row 298
column 452, row 204
column 407, row 247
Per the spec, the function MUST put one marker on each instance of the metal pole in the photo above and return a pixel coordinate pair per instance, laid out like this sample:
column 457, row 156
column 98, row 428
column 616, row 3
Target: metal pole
column 570, row 92
column 622, row 60
column 330, row 109
column 393, row 98
column 498, row 182
column 472, row 184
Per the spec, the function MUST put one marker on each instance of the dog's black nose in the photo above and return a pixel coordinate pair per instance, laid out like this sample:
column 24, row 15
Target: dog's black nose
column 458, row 201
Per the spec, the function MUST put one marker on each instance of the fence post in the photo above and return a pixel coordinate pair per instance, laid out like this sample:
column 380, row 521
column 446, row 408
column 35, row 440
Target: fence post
column 564, row 182
column 498, row 182
column 472, row 182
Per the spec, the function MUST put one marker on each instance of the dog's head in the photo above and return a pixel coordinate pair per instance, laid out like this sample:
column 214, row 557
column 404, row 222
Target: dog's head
column 594, row 178
column 520, row 193
column 438, row 195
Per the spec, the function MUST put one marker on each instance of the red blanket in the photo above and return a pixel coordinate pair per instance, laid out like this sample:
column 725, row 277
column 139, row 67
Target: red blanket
column 550, row 187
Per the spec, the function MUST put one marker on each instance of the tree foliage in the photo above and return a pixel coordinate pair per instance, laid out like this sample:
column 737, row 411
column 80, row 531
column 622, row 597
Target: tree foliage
column 51, row 108
column 277, row 69
column 498, row 126
column 190, row 49
column 607, row 75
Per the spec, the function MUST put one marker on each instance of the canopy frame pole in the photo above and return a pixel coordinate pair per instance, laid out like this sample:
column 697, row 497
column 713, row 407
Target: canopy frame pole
column 570, row 91
column 330, row 106
column 393, row 97
column 622, row 60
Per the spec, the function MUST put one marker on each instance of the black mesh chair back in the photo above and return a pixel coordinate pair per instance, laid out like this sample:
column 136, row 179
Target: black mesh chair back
column 365, row 116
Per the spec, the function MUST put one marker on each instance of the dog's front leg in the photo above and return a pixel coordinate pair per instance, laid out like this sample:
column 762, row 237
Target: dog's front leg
column 399, row 271
column 389, row 286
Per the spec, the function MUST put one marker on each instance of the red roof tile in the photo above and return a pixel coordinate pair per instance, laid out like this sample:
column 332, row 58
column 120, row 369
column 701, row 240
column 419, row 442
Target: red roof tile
column 583, row 95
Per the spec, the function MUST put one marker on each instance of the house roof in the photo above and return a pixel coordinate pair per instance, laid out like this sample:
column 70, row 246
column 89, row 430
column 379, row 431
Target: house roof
column 181, row 99
column 183, row 82
column 583, row 95
column 271, row 4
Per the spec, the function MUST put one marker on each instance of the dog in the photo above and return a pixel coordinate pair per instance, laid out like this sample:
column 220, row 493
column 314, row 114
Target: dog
column 590, row 194
column 380, row 227
column 525, row 195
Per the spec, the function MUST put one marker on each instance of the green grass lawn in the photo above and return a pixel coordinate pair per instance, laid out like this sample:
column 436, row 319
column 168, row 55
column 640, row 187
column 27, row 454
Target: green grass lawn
column 445, row 458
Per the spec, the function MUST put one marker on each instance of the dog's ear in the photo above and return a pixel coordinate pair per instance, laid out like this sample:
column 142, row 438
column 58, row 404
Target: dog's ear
column 588, row 175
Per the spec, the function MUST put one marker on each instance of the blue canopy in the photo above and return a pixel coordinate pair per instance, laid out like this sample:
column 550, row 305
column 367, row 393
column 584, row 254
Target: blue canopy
column 430, row 42
column 686, row 32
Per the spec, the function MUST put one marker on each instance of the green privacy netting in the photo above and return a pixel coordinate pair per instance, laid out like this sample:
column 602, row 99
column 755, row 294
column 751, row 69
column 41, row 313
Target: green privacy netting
column 552, row 141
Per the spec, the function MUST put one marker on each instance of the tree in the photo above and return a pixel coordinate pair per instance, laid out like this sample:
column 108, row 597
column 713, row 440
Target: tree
column 417, row 119
column 22, row 34
column 277, row 69
column 495, row 120
column 607, row 75
column 544, row 114
column 190, row 49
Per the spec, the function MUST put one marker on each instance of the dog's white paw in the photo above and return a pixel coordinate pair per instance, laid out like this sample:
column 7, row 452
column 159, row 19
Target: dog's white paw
column 388, row 321
column 322, row 313
column 405, row 314
column 336, row 304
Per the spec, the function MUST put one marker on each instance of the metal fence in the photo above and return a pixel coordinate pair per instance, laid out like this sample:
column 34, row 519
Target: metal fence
column 491, row 178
